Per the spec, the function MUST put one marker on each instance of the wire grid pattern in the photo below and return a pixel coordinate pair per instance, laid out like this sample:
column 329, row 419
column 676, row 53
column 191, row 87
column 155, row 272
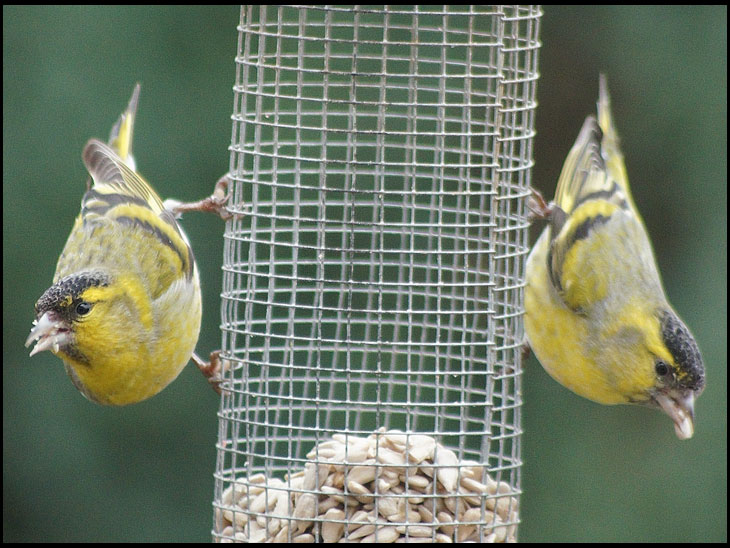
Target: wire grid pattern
column 374, row 280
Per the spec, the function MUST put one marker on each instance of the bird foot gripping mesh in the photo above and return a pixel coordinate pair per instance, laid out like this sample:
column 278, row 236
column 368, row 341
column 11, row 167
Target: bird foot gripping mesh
column 372, row 291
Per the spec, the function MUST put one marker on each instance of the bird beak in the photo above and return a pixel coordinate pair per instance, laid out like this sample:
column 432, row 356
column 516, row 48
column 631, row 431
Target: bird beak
column 50, row 332
column 680, row 408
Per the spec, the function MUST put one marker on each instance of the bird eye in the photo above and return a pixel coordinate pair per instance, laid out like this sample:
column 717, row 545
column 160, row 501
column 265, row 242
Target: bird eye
column 83, row 308
column 661, row 368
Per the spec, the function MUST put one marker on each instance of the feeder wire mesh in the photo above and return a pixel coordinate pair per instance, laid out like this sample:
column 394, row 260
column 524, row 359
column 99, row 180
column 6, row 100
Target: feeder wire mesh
column 372, row 287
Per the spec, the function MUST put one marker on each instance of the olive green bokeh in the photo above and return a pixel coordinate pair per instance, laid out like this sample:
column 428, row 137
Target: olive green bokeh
column 75, row 471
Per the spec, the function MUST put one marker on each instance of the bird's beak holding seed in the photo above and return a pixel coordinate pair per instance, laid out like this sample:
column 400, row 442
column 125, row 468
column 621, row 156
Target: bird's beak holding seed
column 50, row 331
column 680, row 408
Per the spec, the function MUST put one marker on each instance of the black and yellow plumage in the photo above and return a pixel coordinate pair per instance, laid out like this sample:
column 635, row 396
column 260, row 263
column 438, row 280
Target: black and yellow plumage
column 124, row 309
column 596, row 315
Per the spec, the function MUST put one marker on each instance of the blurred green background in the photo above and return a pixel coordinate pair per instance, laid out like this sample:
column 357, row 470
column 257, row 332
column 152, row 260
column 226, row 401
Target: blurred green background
column 75, row 471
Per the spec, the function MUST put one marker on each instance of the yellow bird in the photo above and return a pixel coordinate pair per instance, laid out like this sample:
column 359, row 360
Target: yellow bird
column 596, row 315
column 124, row 309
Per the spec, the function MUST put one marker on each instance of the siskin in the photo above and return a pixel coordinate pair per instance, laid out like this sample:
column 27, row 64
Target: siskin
column 124, row 309
column 596, row 315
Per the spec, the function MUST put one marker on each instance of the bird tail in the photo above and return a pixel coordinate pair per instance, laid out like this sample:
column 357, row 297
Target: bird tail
column 120, row 138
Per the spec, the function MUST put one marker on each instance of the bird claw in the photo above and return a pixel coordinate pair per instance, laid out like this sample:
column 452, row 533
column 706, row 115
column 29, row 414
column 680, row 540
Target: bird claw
column 540, row 209
column 212, row 370
column 525, row 350
column 215, row 203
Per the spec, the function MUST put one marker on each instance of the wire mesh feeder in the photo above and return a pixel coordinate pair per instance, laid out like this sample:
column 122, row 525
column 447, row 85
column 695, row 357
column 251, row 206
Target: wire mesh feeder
column 373, row 290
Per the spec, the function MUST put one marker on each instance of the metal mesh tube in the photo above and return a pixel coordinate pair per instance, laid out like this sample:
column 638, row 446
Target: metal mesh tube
column 374, row 281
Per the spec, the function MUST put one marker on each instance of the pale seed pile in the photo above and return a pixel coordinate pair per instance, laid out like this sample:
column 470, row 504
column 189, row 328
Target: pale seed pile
column 385, row 493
